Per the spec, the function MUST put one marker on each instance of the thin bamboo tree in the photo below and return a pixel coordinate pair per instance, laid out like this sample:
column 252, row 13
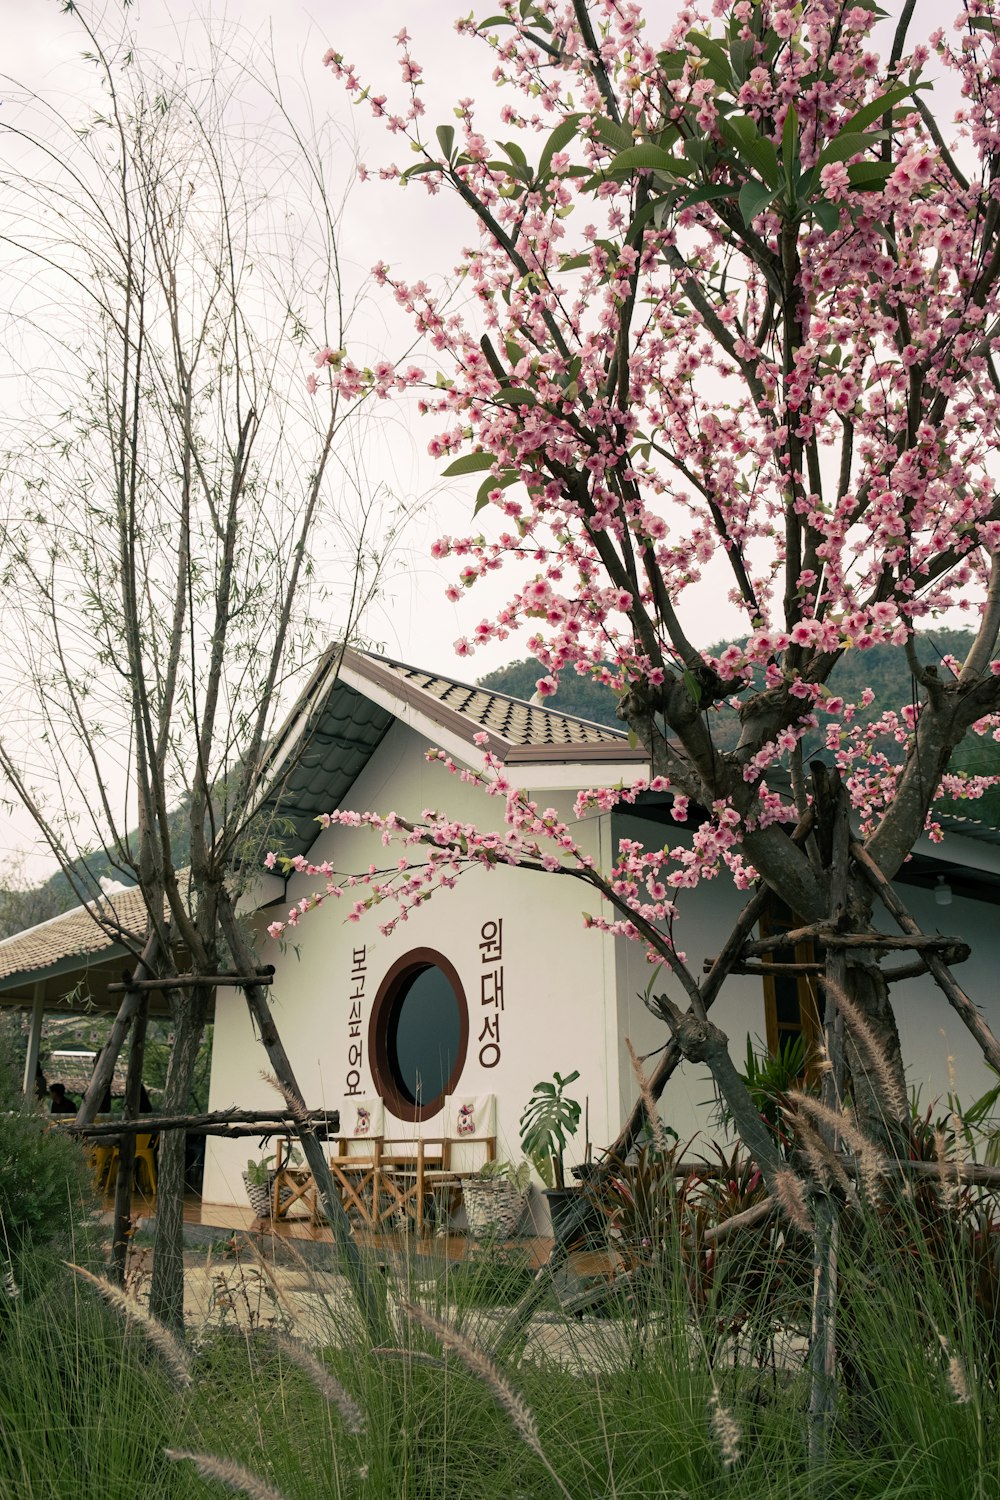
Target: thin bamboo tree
column 167, row 471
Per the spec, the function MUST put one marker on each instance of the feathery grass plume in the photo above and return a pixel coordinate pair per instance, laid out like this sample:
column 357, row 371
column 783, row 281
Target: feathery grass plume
column 725, row 1429
column 233, row 1476
column 327, row 1384
column 822, row 1160
column 866, row 1042
column 660, row 1138
column 10, row 1285
column 506, row 1397
column 167, row 1345
column 947, row 1180
column 870, row 1163
column 789, row 1192
column 294, row 1103
column 956, row 1373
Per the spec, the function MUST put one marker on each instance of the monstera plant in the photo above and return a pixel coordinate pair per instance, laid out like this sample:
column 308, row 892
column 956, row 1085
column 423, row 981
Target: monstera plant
column 548, row 1121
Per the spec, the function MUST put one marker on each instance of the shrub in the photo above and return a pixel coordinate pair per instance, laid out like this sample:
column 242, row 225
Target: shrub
column 44, row 1181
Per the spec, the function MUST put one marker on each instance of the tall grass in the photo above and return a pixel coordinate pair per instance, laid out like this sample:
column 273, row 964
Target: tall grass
column 690, row 1386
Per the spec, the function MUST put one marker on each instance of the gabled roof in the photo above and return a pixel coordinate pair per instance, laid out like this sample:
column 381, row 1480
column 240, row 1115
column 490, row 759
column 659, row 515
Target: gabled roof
column 90, row 946
column 518, row 730
column 58, row 955
column 40, row 950
column 355, row 696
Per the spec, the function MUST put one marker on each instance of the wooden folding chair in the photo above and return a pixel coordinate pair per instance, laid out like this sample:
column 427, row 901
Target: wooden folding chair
column 470, row 1123
column 357, row 1162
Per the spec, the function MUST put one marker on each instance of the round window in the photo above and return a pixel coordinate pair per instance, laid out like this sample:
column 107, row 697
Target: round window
column 418, row 1035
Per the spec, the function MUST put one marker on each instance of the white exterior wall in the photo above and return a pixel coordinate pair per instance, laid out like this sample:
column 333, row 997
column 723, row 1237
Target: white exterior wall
column 939, row 1052
column 558, row 979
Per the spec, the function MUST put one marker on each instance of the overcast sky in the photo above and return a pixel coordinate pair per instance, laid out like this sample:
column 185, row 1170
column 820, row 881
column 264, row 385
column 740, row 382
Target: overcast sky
column 421, row 236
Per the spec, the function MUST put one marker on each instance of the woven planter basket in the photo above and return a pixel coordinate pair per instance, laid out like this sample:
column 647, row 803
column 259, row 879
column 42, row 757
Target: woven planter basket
column 493, row 1206
column 261, row 1195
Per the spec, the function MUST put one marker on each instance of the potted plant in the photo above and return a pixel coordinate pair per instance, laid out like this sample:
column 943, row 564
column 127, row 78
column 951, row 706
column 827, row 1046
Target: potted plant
column 494, row 1198
column 550, row 1118
column 258, row 1179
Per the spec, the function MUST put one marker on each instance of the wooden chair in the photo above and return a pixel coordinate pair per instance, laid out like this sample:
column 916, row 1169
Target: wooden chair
column 145, row 1163
column 432, row 1169
column 104, row 1164
column 293, row 1183
column 357, row 1162
column 407, row 1166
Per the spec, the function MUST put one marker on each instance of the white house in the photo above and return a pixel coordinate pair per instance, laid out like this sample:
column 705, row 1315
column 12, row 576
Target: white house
column 494, row 985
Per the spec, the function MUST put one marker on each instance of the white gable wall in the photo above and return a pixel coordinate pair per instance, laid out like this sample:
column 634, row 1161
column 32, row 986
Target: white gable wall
column 559, row 1010
column 706, row 916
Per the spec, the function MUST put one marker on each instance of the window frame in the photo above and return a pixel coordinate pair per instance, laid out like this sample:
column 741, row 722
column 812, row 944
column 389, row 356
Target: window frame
column 385, row 1010
column 809, row 1024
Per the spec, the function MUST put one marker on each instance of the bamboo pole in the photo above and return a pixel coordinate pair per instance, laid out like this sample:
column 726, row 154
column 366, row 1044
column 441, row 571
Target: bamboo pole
column 126, row 1150
column 104, row 1069
column 833, row 820
column 242, row 1122
column 193, row 981
column 370, row 1296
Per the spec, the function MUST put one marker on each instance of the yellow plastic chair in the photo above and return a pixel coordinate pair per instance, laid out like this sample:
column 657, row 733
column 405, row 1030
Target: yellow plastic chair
column 145, row 1164
column 104, row 1161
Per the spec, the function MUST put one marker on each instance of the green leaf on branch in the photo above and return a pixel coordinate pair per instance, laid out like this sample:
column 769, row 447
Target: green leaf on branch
column 790, row 147
column 827, row 215
column 611, row 134
column 648, row 156
column 564, row 132
column 751, row 146
column 869, row 113
column 715, row 55
column 516, row 395
column 870, row 176
column 754, row 198
column 740, row 56
column 446, row 139
column 513, row 151
column 495, row 482
column 469, row 463
column 693, row 686
column 847, row 143
column 713, row 194
column 419, row 169
column 700, row 152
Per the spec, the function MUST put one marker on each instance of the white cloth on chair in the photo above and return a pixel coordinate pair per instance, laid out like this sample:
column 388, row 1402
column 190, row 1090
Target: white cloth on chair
column 470, row 1119
column 362, row 1119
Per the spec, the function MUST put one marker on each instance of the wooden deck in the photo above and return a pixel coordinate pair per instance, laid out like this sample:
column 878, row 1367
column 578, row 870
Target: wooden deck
column 230, row 1218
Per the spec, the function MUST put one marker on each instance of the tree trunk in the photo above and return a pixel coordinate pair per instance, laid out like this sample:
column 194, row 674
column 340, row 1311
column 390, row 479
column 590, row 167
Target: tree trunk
column 166, row 1299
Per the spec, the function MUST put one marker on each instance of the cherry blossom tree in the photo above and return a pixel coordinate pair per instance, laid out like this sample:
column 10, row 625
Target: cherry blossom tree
column 733, row 296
